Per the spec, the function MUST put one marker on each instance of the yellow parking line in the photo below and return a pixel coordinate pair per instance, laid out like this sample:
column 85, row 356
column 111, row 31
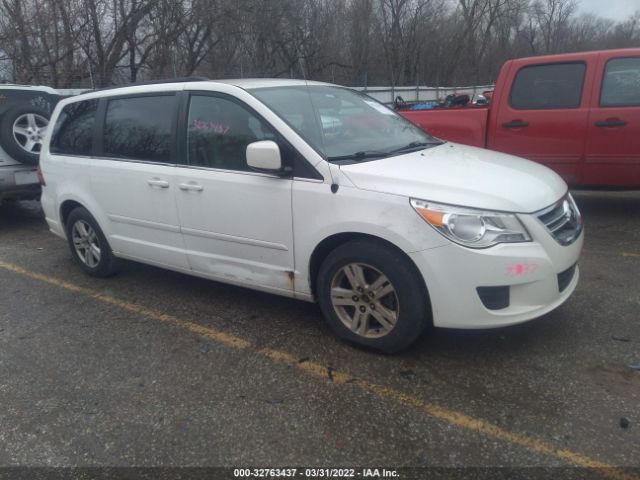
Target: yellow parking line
column 452, row 417
column 609, row 254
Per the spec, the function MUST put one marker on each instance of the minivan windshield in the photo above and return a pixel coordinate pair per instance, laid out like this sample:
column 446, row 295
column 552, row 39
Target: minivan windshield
column 344, row 125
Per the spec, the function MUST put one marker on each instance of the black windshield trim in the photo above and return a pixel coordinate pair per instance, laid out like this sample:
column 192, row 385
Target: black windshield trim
column 350, row 161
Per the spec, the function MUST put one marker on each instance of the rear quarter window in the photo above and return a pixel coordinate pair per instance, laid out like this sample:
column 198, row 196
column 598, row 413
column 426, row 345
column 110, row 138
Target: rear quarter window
column 621, row 83
column 550, row 86
column 73, row 131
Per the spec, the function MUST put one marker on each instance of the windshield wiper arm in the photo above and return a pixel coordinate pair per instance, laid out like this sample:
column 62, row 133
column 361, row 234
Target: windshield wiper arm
column 413, row 145
column 361, row 155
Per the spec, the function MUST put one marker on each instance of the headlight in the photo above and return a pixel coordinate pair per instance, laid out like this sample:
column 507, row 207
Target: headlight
column 470, row 227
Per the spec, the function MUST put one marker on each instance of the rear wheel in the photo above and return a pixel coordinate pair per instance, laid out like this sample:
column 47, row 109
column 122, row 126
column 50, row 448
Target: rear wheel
column 372, row 295
column 88, row 244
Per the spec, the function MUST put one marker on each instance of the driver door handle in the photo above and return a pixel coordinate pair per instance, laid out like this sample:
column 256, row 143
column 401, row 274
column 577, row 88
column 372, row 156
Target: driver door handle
column 191, row 186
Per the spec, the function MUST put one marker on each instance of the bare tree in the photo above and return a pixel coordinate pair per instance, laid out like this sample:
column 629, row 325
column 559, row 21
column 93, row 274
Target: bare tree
column 109, row 27
column 403, row 42
column 552, row 17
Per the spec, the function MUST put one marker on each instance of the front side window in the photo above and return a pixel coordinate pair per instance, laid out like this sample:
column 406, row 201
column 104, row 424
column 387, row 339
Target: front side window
column 621, row 83
column 553, row 86
column 73, row 131
column 342, row 124
column 218, row 132
column 139, row 128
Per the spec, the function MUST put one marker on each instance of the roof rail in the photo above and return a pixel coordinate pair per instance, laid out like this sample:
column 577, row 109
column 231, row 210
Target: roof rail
column 156, row 82
column 172, row 80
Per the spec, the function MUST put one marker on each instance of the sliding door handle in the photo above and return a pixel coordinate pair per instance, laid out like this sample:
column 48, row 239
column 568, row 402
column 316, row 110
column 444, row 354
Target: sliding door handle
column 156, row 182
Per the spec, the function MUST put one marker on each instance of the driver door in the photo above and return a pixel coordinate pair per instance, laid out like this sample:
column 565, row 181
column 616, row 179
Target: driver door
column 236, row 223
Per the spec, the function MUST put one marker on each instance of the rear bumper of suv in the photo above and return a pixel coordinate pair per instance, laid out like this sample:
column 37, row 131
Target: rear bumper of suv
column 12, row 186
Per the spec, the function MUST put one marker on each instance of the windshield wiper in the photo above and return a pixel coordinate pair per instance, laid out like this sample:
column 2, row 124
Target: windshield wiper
column 414, row 146
column 362, row 155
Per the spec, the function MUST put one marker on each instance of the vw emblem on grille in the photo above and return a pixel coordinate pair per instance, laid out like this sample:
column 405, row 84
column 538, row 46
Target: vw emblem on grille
column 562, row 220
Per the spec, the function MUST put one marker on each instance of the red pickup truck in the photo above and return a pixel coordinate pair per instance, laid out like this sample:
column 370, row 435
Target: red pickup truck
column 577, row 113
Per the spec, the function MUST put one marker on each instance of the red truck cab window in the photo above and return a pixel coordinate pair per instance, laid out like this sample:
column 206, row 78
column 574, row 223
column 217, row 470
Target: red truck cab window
column 548, row 86
column 613, row 131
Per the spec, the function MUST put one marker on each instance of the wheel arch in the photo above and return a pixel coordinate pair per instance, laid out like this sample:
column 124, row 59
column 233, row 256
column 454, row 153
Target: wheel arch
column 66, row 207
column 330, row 243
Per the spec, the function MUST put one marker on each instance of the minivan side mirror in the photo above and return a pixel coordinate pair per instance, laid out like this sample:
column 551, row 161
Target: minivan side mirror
column 264, row 156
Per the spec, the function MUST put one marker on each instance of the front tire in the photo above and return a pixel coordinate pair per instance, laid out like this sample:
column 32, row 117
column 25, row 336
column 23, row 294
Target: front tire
column 89, row 246
column 372, row 295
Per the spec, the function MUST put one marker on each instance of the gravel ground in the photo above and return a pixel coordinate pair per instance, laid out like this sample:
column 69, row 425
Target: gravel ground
column 149, row 368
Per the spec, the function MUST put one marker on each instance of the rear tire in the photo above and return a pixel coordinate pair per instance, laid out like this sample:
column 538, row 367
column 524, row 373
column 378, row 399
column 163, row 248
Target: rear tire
column 372, row 295
column 22, row 129
column 89, row 246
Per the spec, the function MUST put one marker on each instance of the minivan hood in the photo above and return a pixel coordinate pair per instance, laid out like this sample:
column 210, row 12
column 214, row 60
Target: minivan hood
column 461, row 175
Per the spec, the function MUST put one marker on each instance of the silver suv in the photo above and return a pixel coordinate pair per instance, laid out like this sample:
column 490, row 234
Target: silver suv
column 24, row 117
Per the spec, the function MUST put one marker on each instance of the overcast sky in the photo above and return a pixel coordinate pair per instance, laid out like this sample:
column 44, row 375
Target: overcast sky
column 613, row 9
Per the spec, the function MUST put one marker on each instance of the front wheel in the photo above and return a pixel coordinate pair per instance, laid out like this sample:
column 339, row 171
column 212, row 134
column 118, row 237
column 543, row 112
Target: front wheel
column 88, row 244
column 372, row 295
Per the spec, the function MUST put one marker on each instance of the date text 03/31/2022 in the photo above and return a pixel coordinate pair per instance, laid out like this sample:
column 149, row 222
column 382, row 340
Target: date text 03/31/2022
column 314, row 473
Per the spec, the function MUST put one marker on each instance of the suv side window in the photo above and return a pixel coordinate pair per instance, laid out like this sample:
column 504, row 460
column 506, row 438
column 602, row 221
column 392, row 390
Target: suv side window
column 621, row 83
column 73, row 131
column 10, row 97
column 218, row 132
column 140, row 128
column 557, row 85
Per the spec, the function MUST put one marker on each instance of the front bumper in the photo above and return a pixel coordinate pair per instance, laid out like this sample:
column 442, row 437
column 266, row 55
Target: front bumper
column 539, row 277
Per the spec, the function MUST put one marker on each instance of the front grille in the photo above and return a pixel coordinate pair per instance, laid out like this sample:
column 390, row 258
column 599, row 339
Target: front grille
column 562, row 220
column 494, row 298
column 564, row 278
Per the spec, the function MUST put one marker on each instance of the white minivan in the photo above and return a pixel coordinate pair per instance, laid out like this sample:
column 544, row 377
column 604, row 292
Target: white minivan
column 312, row 191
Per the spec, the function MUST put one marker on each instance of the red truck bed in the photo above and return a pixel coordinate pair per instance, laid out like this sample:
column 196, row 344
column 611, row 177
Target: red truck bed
column 466, row 125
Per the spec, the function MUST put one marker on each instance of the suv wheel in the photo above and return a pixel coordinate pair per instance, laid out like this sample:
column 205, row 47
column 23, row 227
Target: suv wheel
column 22, row 130
column 372, row 295
column 88, row 244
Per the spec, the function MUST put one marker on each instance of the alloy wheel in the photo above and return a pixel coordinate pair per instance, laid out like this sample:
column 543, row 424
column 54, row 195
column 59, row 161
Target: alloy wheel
column 86, row 244
column 364, row 300
column 29, row 130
